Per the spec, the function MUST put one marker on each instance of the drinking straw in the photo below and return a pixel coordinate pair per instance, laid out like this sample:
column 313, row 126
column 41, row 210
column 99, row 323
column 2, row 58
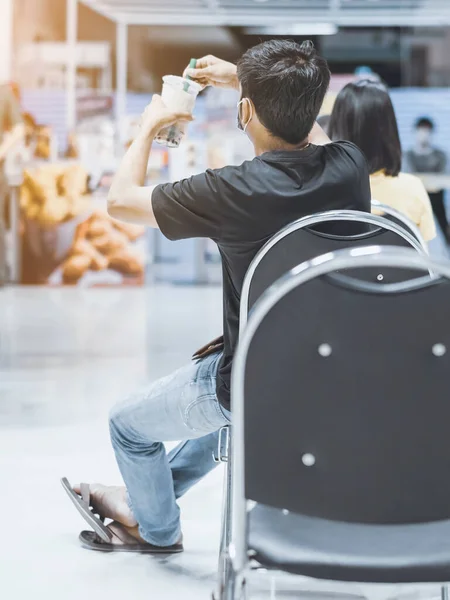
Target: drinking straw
column 192, row 65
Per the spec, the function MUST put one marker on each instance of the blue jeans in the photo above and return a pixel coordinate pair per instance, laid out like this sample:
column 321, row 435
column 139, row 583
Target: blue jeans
column 182, row 406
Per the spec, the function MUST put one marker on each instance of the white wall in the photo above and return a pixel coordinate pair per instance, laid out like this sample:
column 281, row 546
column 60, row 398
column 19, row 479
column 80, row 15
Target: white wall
column 6, row 20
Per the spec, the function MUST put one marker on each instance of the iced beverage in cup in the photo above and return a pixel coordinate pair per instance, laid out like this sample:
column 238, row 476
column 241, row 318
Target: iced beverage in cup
column 178, row 94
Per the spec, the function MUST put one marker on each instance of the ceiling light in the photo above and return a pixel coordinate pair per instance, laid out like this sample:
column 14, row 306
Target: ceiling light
column 292, row 29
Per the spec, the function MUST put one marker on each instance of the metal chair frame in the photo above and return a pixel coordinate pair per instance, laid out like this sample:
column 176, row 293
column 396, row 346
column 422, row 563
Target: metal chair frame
column 237, row 556
column 225, row 441
column 353, row 216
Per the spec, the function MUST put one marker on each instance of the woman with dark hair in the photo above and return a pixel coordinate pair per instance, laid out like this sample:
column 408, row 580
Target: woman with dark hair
column 363, row 114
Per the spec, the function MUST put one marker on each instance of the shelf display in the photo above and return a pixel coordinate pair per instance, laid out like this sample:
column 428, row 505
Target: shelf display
column 67, row 235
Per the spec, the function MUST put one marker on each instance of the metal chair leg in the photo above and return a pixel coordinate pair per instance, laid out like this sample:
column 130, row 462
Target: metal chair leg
column 226, row 576
column 225, row 537
column 224, row 456
column 231, row 585
column 444, row 592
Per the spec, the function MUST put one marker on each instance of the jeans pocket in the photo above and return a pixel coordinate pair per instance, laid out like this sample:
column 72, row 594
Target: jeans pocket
column 203, row 415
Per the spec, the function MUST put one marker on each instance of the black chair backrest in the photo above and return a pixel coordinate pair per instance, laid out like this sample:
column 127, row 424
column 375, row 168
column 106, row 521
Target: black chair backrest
column 302, row 241
column 346, row 403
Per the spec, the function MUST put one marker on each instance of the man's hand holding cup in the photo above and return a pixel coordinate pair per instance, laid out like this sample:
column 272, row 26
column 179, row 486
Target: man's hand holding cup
column 158, row 116
column 214, row 71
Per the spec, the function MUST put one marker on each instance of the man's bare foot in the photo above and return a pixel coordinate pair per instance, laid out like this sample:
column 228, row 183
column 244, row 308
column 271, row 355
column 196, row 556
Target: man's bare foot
column 131, row 536
column 110, row 502
column 118, row 528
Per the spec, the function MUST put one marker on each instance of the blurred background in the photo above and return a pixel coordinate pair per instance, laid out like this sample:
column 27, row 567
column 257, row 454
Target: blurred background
column 78, row 331
column 84, row 71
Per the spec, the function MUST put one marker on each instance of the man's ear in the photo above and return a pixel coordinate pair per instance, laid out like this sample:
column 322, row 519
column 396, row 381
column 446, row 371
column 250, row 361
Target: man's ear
column 247, row 111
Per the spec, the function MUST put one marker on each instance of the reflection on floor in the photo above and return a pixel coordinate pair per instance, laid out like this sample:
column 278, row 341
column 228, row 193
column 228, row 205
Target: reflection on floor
column 66, row 356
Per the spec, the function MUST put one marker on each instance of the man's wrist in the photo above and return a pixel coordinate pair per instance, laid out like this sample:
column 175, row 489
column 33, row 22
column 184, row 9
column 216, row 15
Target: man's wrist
column 149, row 132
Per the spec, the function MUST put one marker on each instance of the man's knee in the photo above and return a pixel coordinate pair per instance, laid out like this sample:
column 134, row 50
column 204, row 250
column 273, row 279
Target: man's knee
column 120, row 422
column 125, row 427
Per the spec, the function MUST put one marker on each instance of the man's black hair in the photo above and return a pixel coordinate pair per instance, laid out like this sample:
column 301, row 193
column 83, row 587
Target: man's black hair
column 287, row 83
column 363, row 114
column 424, row 122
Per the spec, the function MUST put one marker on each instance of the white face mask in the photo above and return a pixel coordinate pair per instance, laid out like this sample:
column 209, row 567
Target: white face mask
column 423, row 135
column 240, row 126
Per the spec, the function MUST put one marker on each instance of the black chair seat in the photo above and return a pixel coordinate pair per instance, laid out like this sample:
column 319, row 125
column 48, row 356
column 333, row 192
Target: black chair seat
column 350, row 552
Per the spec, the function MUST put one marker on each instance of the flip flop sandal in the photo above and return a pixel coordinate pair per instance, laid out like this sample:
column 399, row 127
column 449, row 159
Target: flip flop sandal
column 100, row 539
column 128, row 543
column 82, row 504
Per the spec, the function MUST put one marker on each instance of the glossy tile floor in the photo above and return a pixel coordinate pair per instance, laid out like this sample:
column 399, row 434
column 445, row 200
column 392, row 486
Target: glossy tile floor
column 66, row 356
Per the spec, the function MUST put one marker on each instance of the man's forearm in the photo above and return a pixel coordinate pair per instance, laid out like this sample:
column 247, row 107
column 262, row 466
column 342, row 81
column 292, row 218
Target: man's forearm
column 133, row 167
column 128, row 199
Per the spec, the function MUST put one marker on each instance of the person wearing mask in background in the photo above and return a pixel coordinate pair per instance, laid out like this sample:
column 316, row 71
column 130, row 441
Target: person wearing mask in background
column 11, row 133
column 363, row 114
column 296, row 172
column 425, row 158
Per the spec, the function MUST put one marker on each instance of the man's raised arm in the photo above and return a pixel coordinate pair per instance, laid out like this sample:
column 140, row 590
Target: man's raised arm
column 129, row 199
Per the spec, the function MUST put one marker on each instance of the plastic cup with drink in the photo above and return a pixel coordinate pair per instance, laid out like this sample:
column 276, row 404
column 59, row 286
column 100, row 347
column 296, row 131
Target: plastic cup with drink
column 178, row 93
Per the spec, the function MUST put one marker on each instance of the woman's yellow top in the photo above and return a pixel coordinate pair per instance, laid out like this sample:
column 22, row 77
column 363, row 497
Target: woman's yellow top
column 407, row 194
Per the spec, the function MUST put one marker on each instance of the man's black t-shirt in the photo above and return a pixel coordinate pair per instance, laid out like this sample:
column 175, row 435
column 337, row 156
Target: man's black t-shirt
column 240, row 208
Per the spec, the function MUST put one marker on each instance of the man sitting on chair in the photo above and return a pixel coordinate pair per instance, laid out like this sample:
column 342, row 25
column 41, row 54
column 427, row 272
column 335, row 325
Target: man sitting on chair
column 296, row 172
